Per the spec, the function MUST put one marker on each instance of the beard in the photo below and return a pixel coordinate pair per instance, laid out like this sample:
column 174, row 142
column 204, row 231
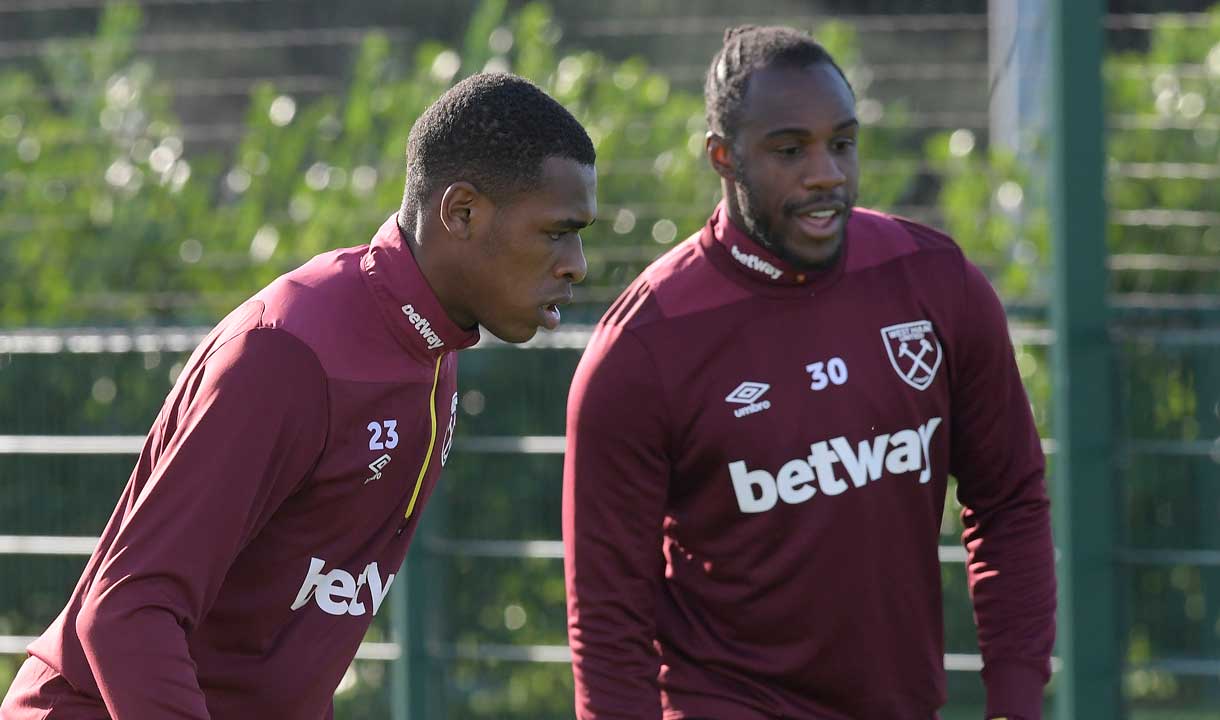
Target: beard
column 758, row 226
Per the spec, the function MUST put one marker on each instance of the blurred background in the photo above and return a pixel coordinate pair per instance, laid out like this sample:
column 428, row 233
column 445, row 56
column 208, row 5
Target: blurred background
column 162, row 160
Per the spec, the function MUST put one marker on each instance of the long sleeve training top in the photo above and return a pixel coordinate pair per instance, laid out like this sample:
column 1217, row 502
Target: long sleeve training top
column 271, row 506
column 756, row 470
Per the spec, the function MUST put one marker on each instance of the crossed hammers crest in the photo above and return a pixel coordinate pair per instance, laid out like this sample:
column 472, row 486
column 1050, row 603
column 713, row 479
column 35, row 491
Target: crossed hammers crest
column 913, row 342
column 917, row 362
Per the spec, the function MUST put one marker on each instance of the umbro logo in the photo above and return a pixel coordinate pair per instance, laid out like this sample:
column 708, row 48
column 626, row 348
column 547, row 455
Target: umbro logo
column 377, row 466
column 747, row 395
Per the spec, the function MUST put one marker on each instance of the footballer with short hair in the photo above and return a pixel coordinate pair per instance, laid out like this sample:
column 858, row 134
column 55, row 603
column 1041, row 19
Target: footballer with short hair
column 272, row 504
column 761, row 432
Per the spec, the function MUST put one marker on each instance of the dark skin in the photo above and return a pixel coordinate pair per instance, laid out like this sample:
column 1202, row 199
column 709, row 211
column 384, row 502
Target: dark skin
column 508, row 266
column 794, row 152
column 790, row 175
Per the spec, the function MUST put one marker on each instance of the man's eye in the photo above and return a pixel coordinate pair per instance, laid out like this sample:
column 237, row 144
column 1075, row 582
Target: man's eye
column 789, row 150
column 556, row 236
column 844, row 143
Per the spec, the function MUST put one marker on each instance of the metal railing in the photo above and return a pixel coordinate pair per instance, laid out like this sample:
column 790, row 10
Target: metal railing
column 184, row 339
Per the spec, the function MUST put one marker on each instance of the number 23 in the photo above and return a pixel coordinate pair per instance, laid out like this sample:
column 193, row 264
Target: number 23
column 391, row 435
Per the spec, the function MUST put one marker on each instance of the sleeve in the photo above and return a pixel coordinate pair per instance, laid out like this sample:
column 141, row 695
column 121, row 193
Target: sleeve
column 240, row 435
column 616, row 474
column 997, row 459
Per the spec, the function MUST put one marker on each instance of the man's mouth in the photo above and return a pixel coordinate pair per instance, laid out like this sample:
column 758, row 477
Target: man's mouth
column 549, row 312
column 820, row 222
column 550, row 316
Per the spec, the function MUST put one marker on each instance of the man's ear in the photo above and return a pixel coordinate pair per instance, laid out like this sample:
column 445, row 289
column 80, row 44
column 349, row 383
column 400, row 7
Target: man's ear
column 461, row 205
column 720, row 155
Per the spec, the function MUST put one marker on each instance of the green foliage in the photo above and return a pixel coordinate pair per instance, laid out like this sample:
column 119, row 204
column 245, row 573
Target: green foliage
column 110, row 223
column 1173, row 91
column 1161, row 143
column 86, row 211
column 986, row 210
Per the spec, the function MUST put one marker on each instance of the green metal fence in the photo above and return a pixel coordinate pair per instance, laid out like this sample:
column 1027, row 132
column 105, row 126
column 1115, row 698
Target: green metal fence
column 477, row 630
column 480, row 613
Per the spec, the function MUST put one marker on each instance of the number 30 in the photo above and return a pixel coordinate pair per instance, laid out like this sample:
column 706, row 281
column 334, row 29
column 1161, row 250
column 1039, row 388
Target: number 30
column 825, row 373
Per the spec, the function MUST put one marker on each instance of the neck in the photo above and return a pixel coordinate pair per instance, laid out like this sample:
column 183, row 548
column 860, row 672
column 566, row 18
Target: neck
column 444, row 277
column 735, row 214
column 728, row 191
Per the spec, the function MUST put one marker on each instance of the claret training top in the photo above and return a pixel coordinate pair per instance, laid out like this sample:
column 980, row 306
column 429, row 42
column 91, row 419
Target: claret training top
column 755, row 477
column 271, row 506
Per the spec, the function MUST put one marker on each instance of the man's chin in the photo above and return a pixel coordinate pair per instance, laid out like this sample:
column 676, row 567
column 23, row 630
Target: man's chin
column 515, row 335
column 812, row 254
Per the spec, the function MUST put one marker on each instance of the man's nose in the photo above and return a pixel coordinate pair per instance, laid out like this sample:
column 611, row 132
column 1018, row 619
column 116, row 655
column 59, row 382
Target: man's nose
column 823, row 172
column 572, row 265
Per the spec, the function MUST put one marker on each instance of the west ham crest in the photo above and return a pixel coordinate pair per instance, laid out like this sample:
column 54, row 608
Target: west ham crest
column 914, row 352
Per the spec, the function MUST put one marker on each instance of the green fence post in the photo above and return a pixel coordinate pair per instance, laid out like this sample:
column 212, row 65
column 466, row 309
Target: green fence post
column 1206, row 477
column 419, row 698
column 416, row 689
column 1085, row 488
column 400, row 670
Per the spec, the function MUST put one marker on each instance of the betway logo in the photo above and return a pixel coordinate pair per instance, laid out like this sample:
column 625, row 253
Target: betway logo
column 338, row 593
column 800, row 479
column 423, row 326
column 756, row 263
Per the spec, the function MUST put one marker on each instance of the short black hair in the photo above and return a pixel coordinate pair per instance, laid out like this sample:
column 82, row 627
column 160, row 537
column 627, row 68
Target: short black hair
column 746, row 49
column 492, row 130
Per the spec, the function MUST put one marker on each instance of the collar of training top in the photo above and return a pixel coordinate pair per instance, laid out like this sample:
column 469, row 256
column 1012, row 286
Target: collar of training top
column 738, row 254
column 408, row 301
